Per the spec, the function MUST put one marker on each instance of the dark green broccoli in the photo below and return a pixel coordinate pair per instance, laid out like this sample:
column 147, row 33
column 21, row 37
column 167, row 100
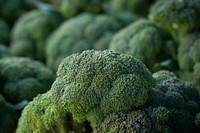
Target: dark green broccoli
column 10, row 10
column 4, row 32
column 134, row 6
column 197, row 120
column 141, row 39
column 180, row 17
column 148, row 120
column 171, row 107
column 7, row 117
column 89, row 85
column 23, row 78
column 83, row 32
column 4, row 52
column 30, row 32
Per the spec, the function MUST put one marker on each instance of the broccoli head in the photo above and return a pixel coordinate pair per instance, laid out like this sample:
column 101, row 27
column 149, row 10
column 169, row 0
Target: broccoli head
column 179, row 17
column 23, row 78
column 7, row 117
column 4, row 32
column 89, row 85
column 4, row 52
column 71, row 8
column 142, row 35
column 30, row 33
column 83, row 32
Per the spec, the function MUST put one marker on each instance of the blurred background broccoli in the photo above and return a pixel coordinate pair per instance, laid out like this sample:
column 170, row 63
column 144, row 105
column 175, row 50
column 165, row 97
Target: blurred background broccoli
column 121, row 66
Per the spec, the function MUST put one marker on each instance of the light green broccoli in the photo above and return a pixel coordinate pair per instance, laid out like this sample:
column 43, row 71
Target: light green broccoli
column 141, row 39
column 4, row 32
column 71, row 8
column 30, row 32
column 4, row 52
column 90, row 86
column 83, row 32
column 179, row 17
column 7, row 117
column 23, row 78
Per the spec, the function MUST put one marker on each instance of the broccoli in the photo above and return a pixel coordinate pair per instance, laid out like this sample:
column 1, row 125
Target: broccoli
column 171, row 107
column 141, row 39
column 30, row 33
column 134, row 6
column 4, row 32
column 7, row 117
column 10, row 10
column 89, row 85
column 179, row 17
column 4, row 52
column 71, row 8
column 83, row 32
column 23, row 78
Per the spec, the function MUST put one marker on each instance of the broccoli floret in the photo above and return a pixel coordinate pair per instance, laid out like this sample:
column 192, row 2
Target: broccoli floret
column 30, row 33
column 83, row 32
column 197, row 121
column 90, row 85
column 4, row 52
column 23, row 78
column 7, row 117
column 134, row 6
column 4, row 32
column 180, row 17
column 71, row 8
column 138, row 121
column 138, row 37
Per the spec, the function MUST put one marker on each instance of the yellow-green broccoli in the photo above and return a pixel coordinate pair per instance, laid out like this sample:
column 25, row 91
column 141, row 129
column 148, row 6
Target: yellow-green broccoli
column 179, row 17
column 30, row 32
column 83, row 32
column 89, row 85
column 23, row 78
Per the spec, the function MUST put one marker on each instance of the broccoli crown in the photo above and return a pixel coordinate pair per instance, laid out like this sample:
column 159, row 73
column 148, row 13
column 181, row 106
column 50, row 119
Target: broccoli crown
column 4, row 52
column 178, row 16
column 137, row 121
column 30, row 32
column 71, row 8
column 23, row 78
column 134, row 6
column 41, row 115
column 93, row 84
column 7, row 117
column 4, row 32
column 188, row 51
column 142, row 35
column 12, row 9
column 83, row 32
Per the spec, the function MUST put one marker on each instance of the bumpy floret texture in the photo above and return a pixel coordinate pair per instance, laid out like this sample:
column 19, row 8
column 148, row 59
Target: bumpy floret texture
column 178, row 16
column 83, row 32
column 89, row 85
column 137, row 121
column 4, row 52
column 141, row 39
column 171, row 107
column 71, row 8
column 4, row 32
column 7, row 117
column 22, row 78
column 30, row 33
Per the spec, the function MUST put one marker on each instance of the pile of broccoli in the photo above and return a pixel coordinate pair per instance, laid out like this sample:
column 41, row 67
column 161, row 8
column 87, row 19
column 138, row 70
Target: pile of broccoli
column 102, row 66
